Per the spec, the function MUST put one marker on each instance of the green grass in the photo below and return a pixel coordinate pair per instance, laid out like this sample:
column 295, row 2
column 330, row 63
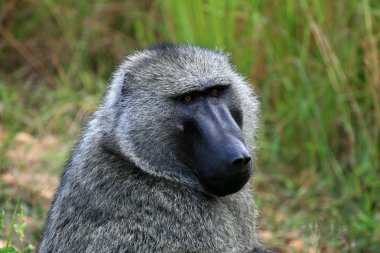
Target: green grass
column 314, row 64
column 16, row 226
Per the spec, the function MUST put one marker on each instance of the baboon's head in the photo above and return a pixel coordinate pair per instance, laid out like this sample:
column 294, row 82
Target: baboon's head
column 183, row 113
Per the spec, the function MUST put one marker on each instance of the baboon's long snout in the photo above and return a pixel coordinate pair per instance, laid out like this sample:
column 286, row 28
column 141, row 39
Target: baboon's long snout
column 223, row 161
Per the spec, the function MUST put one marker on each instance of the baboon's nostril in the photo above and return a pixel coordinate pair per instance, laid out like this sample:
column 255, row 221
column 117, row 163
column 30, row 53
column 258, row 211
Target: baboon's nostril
column 241, row 161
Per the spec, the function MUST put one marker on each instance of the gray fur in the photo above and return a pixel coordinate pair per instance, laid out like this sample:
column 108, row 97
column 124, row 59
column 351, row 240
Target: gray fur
column 124, row 189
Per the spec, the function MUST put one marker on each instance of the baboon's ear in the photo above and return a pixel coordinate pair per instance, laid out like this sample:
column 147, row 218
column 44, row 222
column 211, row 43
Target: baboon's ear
column 125, row 88
column 109, row 144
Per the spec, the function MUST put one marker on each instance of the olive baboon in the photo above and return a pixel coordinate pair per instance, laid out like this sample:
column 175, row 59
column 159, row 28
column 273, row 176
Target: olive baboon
column 163, row 164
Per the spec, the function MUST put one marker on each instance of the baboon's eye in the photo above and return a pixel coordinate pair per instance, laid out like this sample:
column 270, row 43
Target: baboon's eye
column 187, row 98
column 215, row 92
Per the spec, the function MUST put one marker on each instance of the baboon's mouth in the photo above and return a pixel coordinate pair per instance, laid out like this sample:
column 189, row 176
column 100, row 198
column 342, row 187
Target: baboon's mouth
column 227, row 183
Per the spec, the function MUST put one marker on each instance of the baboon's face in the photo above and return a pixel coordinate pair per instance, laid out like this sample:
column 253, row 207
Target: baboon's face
column 209, row 128
column 182, row 118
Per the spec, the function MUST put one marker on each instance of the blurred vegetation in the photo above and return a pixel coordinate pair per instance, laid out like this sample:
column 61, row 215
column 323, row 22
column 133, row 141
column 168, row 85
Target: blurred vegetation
column 17, row 225
column 314, row 64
